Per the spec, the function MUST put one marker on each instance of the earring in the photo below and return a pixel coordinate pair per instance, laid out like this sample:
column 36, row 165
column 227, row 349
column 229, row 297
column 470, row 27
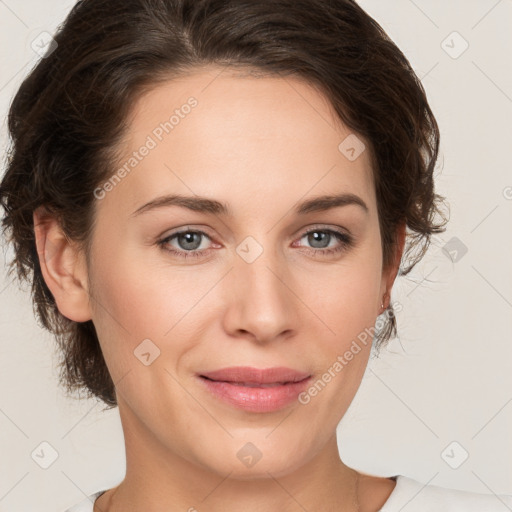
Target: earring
column 382, row 303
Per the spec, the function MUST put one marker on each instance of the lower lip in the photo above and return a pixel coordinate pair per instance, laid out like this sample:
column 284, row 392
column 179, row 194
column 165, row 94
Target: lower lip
column 255, row 399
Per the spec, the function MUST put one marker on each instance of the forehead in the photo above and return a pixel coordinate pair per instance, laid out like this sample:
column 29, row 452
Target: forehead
column 224, row 133
column 229, row 98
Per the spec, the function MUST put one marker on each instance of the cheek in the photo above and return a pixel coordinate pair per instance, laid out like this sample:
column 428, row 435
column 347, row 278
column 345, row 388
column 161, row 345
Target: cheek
column 344, row 297
column 125, row 302
column 347, row 310
column 129, row 291
column 140, row 297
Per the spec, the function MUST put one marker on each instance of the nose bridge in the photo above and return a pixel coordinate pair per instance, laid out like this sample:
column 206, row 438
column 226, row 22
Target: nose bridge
column 261, row 302
column 259, row 264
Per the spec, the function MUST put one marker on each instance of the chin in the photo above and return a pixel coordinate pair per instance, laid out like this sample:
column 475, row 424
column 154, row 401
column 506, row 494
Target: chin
column 247, row 462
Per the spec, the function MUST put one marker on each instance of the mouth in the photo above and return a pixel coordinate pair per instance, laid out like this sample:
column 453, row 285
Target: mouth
column 253, row 384
column 248, row 375
column 255, row 390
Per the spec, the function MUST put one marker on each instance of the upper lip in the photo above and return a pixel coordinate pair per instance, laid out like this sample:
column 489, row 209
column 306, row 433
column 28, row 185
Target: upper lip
column 256, row 375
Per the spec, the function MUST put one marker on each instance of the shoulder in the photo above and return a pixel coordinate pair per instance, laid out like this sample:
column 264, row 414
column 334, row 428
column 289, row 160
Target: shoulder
column 87, row 505
column 414, row 496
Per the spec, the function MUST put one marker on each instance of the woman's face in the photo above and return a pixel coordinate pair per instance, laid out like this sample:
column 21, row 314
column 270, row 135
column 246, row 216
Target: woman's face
column 245, row 287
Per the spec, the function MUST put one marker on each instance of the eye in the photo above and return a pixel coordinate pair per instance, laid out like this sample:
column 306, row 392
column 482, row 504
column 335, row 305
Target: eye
column 188, row 243
column 321, row 238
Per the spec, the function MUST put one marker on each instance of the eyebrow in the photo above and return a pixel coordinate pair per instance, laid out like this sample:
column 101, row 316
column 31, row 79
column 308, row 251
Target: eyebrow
column 212, row 206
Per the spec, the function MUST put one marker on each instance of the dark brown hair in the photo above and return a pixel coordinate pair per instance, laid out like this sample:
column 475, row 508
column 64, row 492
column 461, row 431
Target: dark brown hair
column 71, row 111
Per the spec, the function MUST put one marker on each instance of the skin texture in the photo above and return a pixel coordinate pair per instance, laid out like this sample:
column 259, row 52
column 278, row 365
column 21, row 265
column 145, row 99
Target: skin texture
column 260, row 145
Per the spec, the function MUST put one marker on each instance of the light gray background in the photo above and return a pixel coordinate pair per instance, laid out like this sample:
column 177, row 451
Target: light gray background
column 448, row 376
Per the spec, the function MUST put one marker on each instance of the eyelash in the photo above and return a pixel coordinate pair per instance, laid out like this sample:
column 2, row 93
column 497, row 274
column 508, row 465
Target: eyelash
column 345, row 240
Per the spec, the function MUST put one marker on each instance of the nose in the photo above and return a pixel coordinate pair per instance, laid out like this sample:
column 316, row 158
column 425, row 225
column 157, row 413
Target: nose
column 260, row 301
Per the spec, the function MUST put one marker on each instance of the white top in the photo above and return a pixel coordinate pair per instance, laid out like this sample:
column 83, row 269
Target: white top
column 417, row 496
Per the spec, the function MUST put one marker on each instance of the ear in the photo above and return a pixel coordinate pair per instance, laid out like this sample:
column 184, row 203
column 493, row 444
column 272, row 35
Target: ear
column 389, row 274
column 63, row 267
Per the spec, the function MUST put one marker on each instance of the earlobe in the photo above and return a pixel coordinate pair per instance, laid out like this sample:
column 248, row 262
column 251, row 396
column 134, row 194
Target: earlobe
column 390, row 276
column 62, row 266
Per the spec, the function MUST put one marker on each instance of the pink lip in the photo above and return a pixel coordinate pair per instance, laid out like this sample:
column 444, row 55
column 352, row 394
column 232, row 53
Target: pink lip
column 253, row 397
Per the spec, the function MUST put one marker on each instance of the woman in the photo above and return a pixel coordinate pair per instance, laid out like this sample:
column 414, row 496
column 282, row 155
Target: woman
column 212, row 200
